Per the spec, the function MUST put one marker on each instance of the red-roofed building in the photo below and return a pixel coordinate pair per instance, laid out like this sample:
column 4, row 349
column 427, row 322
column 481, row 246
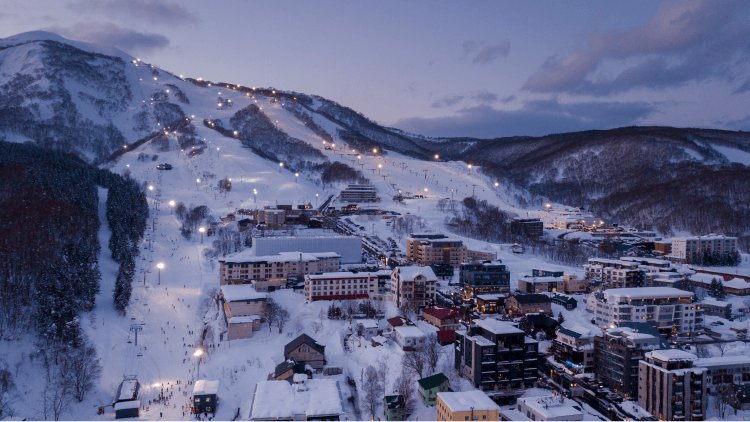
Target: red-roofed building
column 442, row 317
column 396, row 322
column 446, row 337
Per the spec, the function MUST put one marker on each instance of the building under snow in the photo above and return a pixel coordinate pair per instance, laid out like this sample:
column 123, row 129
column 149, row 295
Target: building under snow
column 542, row 405
column 305, row 399
column 414, row 284
column 244, row 267
column 349, row 248
column 671, row 387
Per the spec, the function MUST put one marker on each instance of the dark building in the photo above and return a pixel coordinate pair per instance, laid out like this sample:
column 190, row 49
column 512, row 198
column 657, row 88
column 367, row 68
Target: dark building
column 481, row 278
column 205, row 396
column 546, row 273
column 565, row 301
column 617, row 353
column 127, row 409
column 442, row 270
column 497, row 358
column 526, row 226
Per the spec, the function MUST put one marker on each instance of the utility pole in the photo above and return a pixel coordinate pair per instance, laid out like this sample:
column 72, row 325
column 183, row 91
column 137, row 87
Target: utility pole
column 136, row 328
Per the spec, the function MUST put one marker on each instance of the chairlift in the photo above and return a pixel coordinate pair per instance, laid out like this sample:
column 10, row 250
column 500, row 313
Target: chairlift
column 129, row 341
column 139, row 353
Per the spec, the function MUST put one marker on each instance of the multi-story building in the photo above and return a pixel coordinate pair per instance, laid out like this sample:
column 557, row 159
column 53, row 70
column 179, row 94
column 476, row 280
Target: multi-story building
column 671, row 387
column 413, row 284
column 614, row 273
column 617, row 353
column 734, row 285
column 243, row 268
column 687, row 249
column 669, row 310
column 574, row 348
column 442, row 317
column 537, row 272
column 466, row 405
column 273, row 218
column 727, row 370
column 359, row 193
column 541, row 285
column 573, row 284
column 480, row 278
column 243, row 306
column 663, row 247
column 497, row 358
column 548, row 407
column 520, row 305
column 711, row 306
column 342, row 285
column 526, row 226
column 349, row 248
column 435, row 249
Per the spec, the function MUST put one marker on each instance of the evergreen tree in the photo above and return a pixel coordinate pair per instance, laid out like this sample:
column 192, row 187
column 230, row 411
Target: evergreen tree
column 560, row 318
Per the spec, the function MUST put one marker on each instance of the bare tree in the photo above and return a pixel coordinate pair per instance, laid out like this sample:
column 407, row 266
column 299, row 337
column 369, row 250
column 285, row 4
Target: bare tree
column 297, row 326
column 723, row 398
column 701, row 350
column 373, row 390
column 416, row 361
column 56, row 397
column 405, row 387
column 454, row 377
column 180, row 209
column 282, row 316
column 270, row 312
column 7, row 386
column 722, row 346
column 85, row 371
column 408, row 309
column 384, row 369
column 379, row 307
column 432, row 351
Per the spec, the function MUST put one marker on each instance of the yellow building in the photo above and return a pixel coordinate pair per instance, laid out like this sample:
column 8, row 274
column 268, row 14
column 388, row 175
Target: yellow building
column 466, row 406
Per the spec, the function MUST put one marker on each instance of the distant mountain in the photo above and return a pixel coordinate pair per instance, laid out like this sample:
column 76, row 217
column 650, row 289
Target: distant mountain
column 658, row 178
column 92, row 100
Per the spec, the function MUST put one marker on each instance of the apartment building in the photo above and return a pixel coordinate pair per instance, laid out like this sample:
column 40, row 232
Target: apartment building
column 497, row 358
column 617, row 353
column 542, row 272
column 545, row 406
column 274, row 219
column 572, row 284
column 541, row 285
column 614, row 273
column 417, row 285
column 243, row 268
column 243, row 306
column 671, row 387
column 526, row 226
column 574, row 348
column 731, row 370
column 670, row 311
column 712, row 306
column 466, row 405
column 734, row 285
column 349, row 248
column 342, row 285
column 429, row 249
column 359, row 193
column 481, row 278
column 688, row 248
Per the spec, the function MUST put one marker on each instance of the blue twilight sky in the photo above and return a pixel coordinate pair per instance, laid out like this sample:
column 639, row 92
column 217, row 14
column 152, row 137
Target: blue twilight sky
column 439, row 68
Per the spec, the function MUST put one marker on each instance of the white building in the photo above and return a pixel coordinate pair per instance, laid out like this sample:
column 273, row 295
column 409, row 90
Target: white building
column 413, row 284
column 541, row 405
column 311, row 399
column 343, row 285
column 687, row 248
column 359, row 193
column 349, row 248
column 243, row 267
column 671, row 387
column 367, row 328
column 665, row 308
column 408, row 336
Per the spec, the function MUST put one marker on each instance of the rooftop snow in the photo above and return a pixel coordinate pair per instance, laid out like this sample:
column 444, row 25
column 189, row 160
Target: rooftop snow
column 498, row 327
column 491, row 297
column 240, row 292
column 466, row 401
column 646, row 292
column 281, row 400
column 348, row 275
column 247, row 257
column 672, row 354
column 551, row 407
column 721, row 361
column 410, row 331
column 409, row 273
column 243, row 319
column 131, row 404
column 206, row 387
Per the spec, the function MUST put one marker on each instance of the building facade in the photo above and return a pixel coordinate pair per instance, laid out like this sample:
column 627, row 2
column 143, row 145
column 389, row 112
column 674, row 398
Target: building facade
column 573, row 284
column 614, row 273
column 341, row 285
column 417, row 285
column 526, row 226
column 244, row 268
column 617, row 353
column 435, row 249
column 670, row 387
column 497, row 358
column 484, row 278
column 541, row 285
column 520, row 305
column 574, row 348
column 359, row 193
column 466, row 406
column 687, row 249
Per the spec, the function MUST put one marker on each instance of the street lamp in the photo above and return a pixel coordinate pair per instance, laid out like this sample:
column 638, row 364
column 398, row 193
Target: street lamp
column 160, row 266
column 199, row 353
column 217, row 152
column 437, row 156
column 295, row 177
column 380, row 166
column 171, row 204
column 280, row 166
column 255, row 192
column 201, row 230
column 374, row 150
column 469, row 167
column 151, row 189
column 196, row 183
column 316, row 200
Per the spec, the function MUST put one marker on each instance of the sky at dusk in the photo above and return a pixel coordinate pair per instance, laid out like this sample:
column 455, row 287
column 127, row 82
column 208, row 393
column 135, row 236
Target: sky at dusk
column 480, row 69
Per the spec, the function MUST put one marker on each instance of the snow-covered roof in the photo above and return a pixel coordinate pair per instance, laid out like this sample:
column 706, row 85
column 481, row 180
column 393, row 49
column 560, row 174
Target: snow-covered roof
column 409, row 273
column 543, row 280
column 206, row 387
column 713, row 301
column 551, row 407
column 722, row 361
column 131, row 404
column 735, row 283
column 282, row 400
column 629, row 333
column 465, row 401
column 368, row 323
column 246, row 256
column 672, row 354
column 491, row 297
column 646, row 292
column 127, row 389
column 498, row 327
column 240, row 292
column 348, row 275
column 243, row 319
column 410, row 331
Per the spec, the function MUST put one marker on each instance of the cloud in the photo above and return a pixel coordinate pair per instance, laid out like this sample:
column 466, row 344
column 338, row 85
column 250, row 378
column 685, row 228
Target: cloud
column 535, row 118
column 480, row 97
column 743, row 88
column 154, row 11
column 684, row 42
column 110, row 34
column 487, row 54
column 507, row 99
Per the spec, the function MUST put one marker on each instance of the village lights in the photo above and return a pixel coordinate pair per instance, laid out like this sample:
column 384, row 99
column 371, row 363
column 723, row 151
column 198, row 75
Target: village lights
column 201, row 230
column 160, row 266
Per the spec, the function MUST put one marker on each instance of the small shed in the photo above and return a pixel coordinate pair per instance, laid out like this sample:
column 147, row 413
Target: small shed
column 430, row 386
column 568, row 303
column 446, row 337
column 393, row 407
column 127, row 409
column 367, row 328
column 205, row 396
